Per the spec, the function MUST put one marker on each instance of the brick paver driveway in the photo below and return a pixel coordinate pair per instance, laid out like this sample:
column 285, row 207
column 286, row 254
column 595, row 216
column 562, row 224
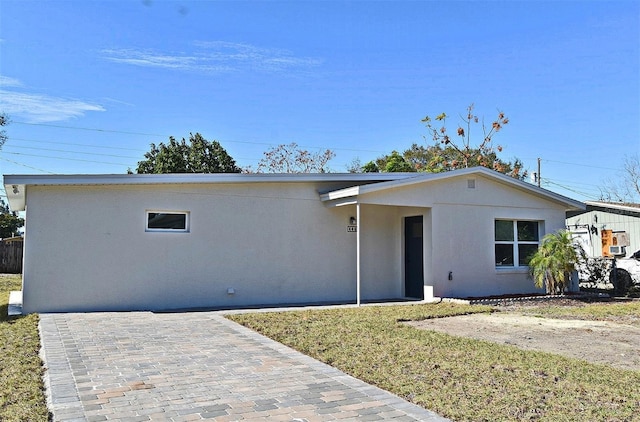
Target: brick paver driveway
column 140, row 366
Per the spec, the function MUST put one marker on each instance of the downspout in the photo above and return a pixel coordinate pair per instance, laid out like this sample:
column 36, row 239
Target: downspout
column 358, row 253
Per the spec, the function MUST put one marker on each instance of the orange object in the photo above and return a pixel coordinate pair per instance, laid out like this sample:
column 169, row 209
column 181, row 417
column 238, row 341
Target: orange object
column 607, row 240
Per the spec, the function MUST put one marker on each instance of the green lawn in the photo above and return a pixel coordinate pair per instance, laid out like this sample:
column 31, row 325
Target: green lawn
column 462, row 379
column 21, row 389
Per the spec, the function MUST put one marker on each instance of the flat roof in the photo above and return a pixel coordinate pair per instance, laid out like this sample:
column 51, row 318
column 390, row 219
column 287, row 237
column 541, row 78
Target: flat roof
column 16, row 184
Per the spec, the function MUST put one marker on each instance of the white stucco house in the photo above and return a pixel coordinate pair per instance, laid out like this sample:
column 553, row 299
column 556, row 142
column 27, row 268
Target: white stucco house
column 158, row 242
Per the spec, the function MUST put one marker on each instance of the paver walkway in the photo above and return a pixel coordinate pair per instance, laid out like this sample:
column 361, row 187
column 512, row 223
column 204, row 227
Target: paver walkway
column 141, row 366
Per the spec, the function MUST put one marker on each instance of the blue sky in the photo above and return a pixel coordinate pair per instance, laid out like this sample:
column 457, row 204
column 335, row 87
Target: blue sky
column 89, row 85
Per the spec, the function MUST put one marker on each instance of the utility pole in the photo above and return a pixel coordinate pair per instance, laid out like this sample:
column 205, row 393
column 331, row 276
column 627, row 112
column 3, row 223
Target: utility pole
column 538, row 172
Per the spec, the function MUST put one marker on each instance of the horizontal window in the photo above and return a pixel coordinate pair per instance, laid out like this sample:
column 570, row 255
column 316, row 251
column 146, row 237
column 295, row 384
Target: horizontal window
column 167, row 221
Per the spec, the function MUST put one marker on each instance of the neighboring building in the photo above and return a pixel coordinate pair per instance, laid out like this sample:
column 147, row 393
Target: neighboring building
column 620, row 223
column 11, row 255
column 154, row 242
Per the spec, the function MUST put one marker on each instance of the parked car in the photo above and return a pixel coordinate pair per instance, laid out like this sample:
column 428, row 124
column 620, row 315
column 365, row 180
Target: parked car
column 625, row 275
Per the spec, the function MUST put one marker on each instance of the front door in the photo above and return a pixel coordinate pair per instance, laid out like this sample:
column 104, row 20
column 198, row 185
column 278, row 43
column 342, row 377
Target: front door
column 413, row 258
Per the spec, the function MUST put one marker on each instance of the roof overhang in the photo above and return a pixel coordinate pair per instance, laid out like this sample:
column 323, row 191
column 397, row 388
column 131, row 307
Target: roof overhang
column 628, row 209
column 16, row 185
column 340, row 197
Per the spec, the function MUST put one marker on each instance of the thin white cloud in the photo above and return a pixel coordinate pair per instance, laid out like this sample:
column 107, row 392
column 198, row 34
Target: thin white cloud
column 246, row 55
column 147, row 58
column 37, row 108
column 6, row 81
column 216, row 56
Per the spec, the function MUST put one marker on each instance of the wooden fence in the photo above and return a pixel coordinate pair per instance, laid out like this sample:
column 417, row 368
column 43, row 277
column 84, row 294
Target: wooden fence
column 11, row 257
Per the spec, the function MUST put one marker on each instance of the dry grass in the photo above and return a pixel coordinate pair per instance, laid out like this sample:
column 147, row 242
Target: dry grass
column 21, row 389
column 620, row 311
column 462, row 379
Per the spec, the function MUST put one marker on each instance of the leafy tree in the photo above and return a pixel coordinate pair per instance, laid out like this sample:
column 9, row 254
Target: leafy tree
column 291, row 158
column 396, row 163
column 436, row 159
column 449, row 153
column 371, row 167
column 198, row 156
column 554, row 261
column 9, row 221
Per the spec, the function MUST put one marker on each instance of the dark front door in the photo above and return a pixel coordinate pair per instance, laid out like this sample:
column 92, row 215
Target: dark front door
column 413, row 258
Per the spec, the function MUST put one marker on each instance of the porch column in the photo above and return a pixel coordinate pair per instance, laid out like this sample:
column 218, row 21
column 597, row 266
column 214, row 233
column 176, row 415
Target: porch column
column 358, row 254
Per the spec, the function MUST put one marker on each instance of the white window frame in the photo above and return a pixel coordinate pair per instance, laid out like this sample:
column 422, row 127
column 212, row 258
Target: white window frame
column 168, row 229
column 515, row 243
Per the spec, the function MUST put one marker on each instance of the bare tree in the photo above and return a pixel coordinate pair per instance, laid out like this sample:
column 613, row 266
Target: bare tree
column 627, row 187
column 4, row 120
column 461, row 150
column 291, row 158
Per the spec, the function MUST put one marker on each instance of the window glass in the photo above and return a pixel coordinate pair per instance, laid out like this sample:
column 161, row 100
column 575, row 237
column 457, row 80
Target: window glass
column 528, row 231
column 516, row 252
column 504, row 230
column 504, row 255
column 167, row 221
column 524, row 253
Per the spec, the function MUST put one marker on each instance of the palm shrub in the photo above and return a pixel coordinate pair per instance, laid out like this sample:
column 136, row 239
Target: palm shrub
column 554, row 261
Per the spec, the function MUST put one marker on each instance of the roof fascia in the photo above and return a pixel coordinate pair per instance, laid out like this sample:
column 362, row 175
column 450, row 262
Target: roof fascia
column 621, row 207
column 195, row 178
column 16, row 184
column 612, row 208
column 341, row 193
column 569, row 203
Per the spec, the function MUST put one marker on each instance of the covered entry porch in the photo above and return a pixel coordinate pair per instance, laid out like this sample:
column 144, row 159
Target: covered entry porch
column 393, row 250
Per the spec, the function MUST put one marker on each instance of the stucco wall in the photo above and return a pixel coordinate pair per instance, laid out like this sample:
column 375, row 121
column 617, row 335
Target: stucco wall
column 382, row 250
column 272, row 243
column 459, row 232
column 87, row 248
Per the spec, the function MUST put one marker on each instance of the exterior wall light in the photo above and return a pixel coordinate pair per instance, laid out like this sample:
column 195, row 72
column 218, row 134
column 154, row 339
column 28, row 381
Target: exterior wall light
column 353, row 220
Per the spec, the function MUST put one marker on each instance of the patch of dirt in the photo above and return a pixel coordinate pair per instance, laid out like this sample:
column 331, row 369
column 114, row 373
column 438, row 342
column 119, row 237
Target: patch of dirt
column 604, row 342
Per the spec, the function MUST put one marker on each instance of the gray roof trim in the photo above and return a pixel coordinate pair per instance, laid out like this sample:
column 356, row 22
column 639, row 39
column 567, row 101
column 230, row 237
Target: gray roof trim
column 16, row 184
column 633, row 208
column 190, row 178
column 571, row 204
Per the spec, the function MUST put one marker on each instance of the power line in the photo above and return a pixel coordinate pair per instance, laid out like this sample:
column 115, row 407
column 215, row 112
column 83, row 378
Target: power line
column 578, row 164
column 68, row 159
column 89, row 146
column 98, row 154
column 24, row 165
column 70, row 143
column 74, row 152
column 167, row 136
column 122, row 132
column 585, row 194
